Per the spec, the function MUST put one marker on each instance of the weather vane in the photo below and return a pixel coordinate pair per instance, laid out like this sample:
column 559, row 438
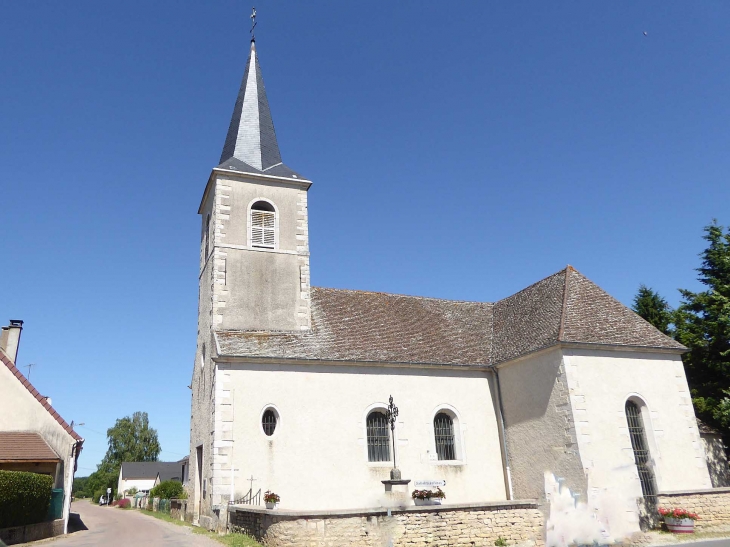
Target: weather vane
column 253, row 23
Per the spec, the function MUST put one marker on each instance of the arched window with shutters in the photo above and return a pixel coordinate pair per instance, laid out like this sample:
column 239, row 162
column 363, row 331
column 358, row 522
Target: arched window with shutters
column 263, row 225
column 642, row 455
column 443, row 428
column 378, row 433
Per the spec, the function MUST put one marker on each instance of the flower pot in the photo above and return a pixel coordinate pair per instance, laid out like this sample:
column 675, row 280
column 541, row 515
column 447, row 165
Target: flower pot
column 270, row 504
column 427, row 501
column 680, row 526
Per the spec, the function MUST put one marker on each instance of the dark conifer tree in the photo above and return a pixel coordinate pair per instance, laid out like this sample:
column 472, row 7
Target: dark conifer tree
column 653, row 308
column 702, row 324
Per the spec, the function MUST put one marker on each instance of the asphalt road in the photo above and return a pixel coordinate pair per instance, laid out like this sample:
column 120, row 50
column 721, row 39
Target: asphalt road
column 111, row 527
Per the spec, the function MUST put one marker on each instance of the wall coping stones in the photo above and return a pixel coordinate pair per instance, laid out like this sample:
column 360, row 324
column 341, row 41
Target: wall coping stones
column 695, row 492
column 483, row 506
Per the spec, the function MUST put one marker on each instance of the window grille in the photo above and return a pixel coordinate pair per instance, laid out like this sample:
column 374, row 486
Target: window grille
column 642, row 457
column 263, row 225
column 268, row 422
column 443, row 427
column 378, row 437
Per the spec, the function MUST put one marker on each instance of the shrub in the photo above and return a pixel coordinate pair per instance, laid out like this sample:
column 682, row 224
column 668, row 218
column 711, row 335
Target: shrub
column 24, row 498
column 124, row 504
column 271, row 497
column 168, row 490
column 132, row 491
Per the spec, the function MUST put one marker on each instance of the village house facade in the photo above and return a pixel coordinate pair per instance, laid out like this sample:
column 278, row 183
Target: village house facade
column 33, row 436
column 291, row 383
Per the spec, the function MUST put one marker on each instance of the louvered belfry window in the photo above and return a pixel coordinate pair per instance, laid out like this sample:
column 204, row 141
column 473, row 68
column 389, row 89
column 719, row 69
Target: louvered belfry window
column 443, row 427
column 378, row 437
column 263, row 225
column 642, row 457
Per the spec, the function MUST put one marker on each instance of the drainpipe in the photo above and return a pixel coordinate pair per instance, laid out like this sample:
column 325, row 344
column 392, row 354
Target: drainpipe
column 503, row 435
column 68, row 487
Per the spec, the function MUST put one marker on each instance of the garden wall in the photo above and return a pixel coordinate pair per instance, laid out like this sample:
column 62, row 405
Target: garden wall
column 31, row 532
column 518, row 522
column 713, row 505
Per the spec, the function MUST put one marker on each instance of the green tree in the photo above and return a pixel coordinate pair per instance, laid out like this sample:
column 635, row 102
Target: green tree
column 168, row 490
column 702, row 323
column 130, row 440
column 653, row 308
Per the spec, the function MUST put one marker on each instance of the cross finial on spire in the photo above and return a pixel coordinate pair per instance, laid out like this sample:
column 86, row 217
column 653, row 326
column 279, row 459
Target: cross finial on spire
column 253, row 23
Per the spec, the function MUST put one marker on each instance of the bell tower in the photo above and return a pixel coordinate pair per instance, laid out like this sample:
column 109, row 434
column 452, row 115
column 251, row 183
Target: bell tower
column 254, row 252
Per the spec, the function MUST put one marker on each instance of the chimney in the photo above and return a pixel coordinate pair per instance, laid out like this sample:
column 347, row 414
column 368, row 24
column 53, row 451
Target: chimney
column 10, row 339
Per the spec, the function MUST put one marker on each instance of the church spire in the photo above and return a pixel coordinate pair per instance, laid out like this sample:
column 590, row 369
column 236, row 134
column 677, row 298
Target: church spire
column 251, row 137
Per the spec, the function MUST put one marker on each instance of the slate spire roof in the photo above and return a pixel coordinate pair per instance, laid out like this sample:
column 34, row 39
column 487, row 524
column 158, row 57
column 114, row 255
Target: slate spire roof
column 251, row 144
column 361, row 326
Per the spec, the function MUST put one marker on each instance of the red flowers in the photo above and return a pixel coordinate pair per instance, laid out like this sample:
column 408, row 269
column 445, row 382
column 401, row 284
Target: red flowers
column 677, row 513
column 428, row 494
column 270, row 497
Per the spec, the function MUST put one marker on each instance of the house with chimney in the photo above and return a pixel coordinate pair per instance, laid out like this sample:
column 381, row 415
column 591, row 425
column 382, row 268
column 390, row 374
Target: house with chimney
column 33, row 436
column 558, row 390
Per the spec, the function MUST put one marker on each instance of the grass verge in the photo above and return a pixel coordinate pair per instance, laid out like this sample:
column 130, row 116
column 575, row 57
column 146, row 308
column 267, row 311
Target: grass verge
column 232, row 540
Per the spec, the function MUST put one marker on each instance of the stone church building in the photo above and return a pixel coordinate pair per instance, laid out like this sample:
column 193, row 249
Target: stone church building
column 291, row 382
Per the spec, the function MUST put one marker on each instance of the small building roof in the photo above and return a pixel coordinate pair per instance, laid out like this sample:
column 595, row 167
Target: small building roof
column 150, row 470
column 25, row 446
column 360, row 326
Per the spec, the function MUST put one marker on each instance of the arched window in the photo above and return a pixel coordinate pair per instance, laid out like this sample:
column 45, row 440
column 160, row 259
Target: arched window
column 443, row 428
column 268, row 422
column 378, row 437
column 207, row 237
column 642, row 457
column 263, row 225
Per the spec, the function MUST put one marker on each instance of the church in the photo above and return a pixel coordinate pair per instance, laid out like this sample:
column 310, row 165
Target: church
column 291, row 383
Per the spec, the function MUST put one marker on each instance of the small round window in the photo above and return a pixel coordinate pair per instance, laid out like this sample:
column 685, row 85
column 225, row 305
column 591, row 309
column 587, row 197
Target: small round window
column 268, row 422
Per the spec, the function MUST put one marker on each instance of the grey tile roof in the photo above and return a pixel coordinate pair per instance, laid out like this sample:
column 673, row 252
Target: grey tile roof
column 386, row 328
column 377, row 327
column 251, row 138
column 149, row 470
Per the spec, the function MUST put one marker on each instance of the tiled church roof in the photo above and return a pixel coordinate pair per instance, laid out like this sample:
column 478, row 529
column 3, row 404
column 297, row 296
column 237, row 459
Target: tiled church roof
column 387, row 328
column 377, row 327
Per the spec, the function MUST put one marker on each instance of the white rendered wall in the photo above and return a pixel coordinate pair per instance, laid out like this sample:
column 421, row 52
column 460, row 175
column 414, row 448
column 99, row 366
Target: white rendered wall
column 600, row 382
column 317, row 458
column 141, row 485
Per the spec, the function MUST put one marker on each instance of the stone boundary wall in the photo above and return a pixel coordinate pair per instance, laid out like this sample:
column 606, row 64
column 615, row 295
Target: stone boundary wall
column 713, row 506
column 31, row 532
column 518, row 522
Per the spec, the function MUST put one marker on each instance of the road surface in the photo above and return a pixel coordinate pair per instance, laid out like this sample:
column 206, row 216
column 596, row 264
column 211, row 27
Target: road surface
column 112, row 527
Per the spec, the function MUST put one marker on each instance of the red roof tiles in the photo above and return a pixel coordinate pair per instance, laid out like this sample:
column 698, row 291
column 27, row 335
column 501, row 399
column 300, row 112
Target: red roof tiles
column 24, row 446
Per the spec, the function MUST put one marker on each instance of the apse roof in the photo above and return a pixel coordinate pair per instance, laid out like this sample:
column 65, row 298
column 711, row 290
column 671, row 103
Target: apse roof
column 360, row 326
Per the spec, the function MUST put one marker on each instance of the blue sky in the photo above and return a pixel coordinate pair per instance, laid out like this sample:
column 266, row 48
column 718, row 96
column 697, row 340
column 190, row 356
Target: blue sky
column 459, row 151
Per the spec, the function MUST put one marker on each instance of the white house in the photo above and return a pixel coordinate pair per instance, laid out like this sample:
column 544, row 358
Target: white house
column 291, row 383
column 145, row 475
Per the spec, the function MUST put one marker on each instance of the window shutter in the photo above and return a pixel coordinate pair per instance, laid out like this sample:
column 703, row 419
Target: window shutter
column 263, row 229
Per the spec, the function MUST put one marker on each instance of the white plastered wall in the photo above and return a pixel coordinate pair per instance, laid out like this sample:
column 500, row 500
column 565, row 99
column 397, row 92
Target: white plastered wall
column 21, row 411
column 317, row 457
column 600, row 382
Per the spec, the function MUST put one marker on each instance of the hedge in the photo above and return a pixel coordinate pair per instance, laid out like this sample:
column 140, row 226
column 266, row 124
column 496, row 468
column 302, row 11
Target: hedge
column 24, row 498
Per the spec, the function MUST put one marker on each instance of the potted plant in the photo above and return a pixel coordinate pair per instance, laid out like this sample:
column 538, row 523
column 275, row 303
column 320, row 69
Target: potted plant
column 271, row 499
column 679, row 521
column 428, row 497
